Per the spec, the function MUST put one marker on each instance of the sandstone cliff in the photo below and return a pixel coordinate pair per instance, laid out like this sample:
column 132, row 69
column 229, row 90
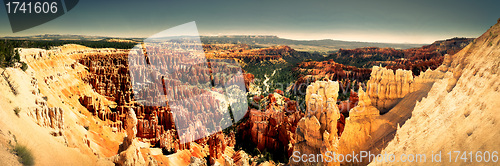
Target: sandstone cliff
column 83, row 99
column 387, row 87
column 390, row 93
column 129, row 153
column 48, row 111
column 461, row 110
column 317, row 132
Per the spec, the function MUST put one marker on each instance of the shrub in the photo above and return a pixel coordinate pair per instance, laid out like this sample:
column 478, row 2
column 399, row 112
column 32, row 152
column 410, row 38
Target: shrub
column 24, row 66
column 24, row 155
column 17, row 110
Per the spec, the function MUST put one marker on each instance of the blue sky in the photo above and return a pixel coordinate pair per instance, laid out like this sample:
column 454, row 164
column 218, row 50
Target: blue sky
column 398, row 21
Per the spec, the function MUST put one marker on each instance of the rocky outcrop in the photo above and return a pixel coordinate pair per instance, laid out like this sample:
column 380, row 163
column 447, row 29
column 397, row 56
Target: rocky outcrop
column 365, row 128
column 241, row 158
column 130, row 153
column 461, row 109
column 385, row 88
column 43, row 115
column 272, row 128
column 363, row 121
column 217, row 146
column 131, row 124
column 364, row 107
column 317, row 132
column 246, row 53
column 195, row 161
column 48, row 117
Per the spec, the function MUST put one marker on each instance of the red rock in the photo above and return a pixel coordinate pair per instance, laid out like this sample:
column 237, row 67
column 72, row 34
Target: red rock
column 272, row 128
column 109, row 75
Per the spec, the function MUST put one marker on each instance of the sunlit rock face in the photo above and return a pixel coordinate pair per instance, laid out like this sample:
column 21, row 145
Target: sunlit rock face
column 461, row 109
column 385, row 87
column 25, row 85
column 130, row 151
column 317, row 132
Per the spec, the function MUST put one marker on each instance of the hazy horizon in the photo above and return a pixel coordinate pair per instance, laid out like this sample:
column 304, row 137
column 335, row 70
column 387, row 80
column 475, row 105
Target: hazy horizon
column 222, row 35
column 386, row 21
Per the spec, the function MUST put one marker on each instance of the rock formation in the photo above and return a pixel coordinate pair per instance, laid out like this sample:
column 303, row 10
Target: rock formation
column 130, row 153
column 317, row 132
column 49, row 117
column 364, row 107
column 272, row 128
column 460, row 111
column 244, row 53
column 43, row 115
column 78, row 79
column 365, row 129
column 109, row 75
column 385, row 88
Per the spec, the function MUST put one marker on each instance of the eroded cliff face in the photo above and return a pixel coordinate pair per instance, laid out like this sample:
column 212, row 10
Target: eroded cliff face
column 83, row 98
column 42, row 114
column 387, row 87
column 317, row 132
column 46, row 96
column 394, row 92
column 271, row 128
column 460, row 112
column 450, row 108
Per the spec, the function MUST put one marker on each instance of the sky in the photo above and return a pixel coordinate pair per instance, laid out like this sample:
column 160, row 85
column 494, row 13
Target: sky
column 393, row 21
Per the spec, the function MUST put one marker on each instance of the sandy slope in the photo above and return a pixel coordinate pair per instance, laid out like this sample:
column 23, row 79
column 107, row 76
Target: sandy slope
column 62, row 90
column 461, row 111
column 46, row 149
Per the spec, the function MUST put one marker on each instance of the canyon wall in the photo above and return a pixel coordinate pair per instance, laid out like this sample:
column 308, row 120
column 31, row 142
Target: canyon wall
column 385, row 88
column 450, row 108
column 88, row 83
column 460, row 112
column 365, row 128
column 42, row 114
column 317, row 132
